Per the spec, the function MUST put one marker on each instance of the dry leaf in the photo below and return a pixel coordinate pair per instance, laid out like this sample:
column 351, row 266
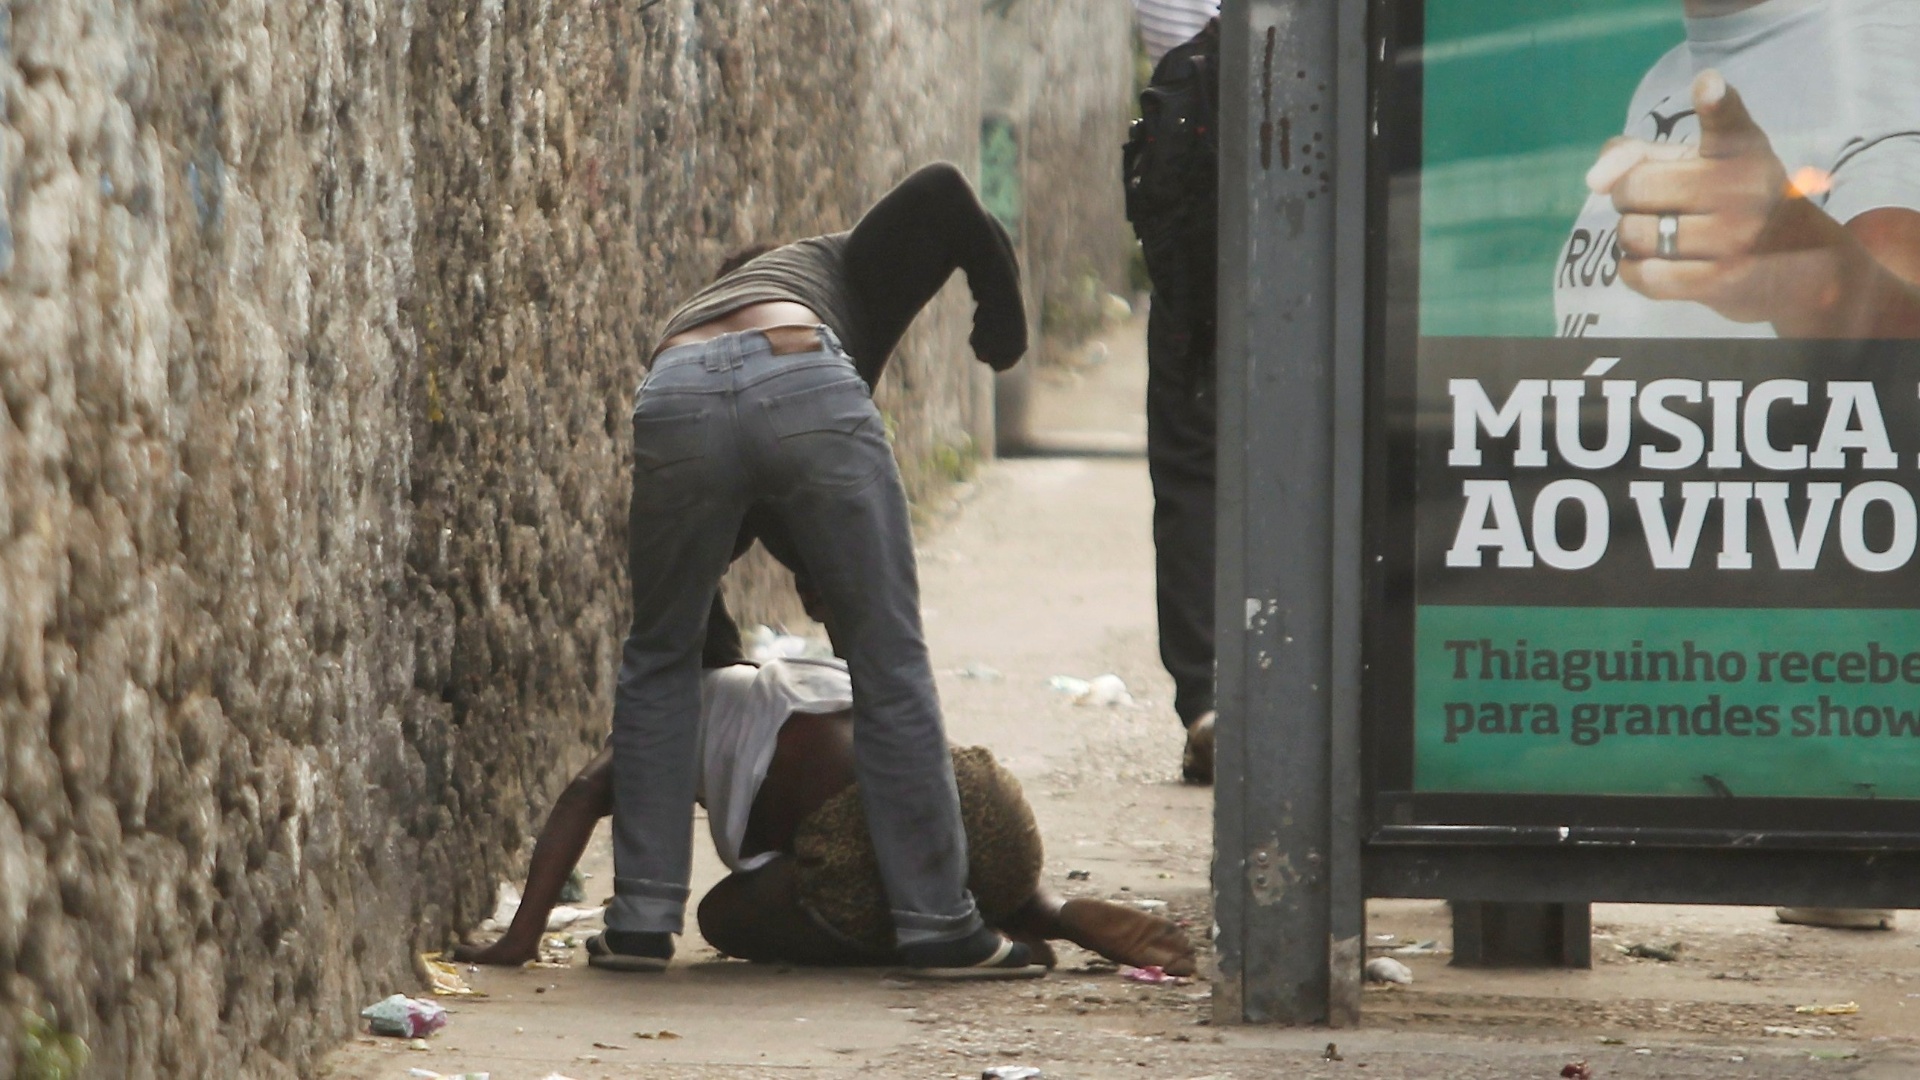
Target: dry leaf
column 444, row 978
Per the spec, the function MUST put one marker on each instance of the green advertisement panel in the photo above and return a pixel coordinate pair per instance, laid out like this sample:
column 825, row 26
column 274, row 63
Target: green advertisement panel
column 1629, row 701
column 1683, row 569
column 1649, row 403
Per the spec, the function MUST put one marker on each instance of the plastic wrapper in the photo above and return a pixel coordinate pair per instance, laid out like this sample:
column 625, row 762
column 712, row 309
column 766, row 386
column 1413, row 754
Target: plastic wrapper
column 403, row 1017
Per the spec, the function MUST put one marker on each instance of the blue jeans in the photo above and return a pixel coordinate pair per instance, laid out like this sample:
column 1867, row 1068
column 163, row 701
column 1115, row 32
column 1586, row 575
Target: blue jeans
column 722, row 427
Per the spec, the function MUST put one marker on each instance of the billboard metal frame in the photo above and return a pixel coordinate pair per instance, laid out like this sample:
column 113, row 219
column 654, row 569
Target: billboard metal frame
column 1301, row 841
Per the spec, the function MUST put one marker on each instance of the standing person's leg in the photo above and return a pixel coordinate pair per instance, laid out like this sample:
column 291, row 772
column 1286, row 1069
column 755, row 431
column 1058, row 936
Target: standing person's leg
column 1180, row 459
column 839, row 494
column 689, row 495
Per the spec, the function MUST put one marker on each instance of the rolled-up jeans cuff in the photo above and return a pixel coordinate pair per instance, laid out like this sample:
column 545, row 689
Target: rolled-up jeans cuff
column 918, row 928
column 647, row 906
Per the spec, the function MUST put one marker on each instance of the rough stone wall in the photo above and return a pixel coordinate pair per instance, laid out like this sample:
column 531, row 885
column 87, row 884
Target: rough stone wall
column 212, row 804
column 319, row 324
column 1077, row 238
column 554, row 236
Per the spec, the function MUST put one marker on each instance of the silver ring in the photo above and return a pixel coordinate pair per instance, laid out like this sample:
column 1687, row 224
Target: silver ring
column 1669, row 246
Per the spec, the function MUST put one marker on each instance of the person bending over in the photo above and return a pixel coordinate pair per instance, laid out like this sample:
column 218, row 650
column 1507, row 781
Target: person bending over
column 777, row 777
column 756, row 418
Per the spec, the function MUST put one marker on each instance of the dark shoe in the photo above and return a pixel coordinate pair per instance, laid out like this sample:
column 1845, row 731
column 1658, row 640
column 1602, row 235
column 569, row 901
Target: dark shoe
column 1196, row 764
column 628, row 950
column 981, row 955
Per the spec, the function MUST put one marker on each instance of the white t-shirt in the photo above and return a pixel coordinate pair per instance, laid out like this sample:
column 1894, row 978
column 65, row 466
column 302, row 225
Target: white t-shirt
column 1166, row 23
column 1835, row 84
column 742, row 709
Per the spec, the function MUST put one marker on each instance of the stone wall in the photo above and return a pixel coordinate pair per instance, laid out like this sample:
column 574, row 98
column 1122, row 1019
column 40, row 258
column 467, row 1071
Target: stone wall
column 319, row 324
column 1077, row 237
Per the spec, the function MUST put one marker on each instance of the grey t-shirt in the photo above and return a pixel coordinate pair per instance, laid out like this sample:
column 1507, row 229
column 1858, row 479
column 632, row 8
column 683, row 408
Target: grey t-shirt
column 1835, row 84
column 809, row 272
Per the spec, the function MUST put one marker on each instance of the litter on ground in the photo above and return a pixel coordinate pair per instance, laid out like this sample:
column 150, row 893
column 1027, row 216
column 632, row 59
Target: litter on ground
column 1385, row 969
column 403, row 1017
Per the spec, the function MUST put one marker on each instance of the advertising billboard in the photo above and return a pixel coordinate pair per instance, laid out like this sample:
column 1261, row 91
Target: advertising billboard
column 1648, row 397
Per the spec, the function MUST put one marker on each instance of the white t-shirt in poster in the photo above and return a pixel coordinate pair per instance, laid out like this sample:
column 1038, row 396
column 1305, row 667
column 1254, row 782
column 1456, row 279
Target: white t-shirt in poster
column 1835, row 84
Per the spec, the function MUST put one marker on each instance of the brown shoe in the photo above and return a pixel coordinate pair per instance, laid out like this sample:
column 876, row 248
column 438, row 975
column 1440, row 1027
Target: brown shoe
column 1196, row 764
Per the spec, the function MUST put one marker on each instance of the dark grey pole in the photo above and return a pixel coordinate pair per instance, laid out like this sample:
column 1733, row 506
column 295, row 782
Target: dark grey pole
column 1287, row 889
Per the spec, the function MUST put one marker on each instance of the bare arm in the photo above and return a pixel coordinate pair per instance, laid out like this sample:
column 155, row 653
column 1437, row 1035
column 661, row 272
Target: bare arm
column 587, row 799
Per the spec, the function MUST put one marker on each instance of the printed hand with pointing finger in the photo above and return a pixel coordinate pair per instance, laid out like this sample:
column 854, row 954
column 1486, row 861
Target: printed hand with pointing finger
column 1721, row 223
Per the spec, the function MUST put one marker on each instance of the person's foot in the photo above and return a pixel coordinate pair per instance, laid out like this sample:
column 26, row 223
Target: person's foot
column 630, row 950
column 1127, row 935
column 505, row 952
column 983, row 954
column 1196, row 764
column 1837, row 918
column 1038, row 949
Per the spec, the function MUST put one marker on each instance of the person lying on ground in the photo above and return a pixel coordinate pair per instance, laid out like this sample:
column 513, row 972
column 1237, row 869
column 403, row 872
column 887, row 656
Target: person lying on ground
column 756, row 418
column 777, row 778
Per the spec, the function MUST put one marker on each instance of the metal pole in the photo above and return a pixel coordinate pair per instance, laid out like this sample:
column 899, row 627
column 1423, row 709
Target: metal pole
column 1287, row 890
column 1346, row 955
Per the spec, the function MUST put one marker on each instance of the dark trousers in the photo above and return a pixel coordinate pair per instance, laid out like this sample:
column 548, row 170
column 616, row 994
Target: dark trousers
column 722, row 428
column 1181, row 425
